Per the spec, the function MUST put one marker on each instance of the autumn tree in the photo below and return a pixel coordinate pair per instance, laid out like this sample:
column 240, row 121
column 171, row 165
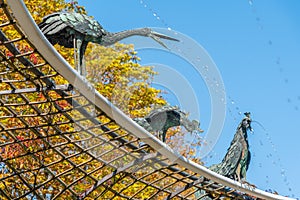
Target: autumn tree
column 114, row 71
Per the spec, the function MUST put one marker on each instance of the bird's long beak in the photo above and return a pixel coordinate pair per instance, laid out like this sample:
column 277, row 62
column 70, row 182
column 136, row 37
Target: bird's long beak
column 157, row 36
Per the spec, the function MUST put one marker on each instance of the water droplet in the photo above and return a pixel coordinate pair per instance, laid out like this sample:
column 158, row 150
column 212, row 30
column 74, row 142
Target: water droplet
column 261, row 27
column 240, row 113
column 281, row 69
column 154, row 14
column 290, row 189
column 278, row 61
column 250, row 2
column 205, row 68
column 270, row 42
column 169, row 29
column 157, row 18
column 232, row 102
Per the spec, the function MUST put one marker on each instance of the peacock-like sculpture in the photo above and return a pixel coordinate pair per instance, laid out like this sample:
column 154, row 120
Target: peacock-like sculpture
column 236, row 161
column 161, row 119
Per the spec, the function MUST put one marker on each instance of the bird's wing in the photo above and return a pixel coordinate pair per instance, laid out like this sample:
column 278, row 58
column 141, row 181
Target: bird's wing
column 83, row 24
column 56, row 22
column 162, row 109
column 143, row 123
column 164, row 118
column 52, row 24
column 51, row 16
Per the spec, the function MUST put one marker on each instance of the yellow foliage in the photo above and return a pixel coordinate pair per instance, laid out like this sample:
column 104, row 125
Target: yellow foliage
column 118, row 76
column 116, row 73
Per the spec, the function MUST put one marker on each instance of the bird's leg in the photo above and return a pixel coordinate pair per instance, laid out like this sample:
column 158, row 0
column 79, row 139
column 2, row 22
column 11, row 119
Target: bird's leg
column 163, row 136
column 75, row 53
column 82, row 58
column 83, row 69
column 238, row 173
column 159, row 134
column 78, row 46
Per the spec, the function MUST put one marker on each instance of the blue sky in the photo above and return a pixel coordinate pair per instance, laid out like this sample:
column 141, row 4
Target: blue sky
column 255, row 46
